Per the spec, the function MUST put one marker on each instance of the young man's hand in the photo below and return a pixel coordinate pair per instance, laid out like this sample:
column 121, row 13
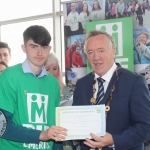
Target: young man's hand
column 56, row 133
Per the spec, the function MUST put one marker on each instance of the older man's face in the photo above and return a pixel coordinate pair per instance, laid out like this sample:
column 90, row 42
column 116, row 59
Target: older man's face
column 100, row 54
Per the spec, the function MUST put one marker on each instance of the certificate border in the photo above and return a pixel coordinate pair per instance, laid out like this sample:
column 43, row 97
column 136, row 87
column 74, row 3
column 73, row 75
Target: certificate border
column 100, row 108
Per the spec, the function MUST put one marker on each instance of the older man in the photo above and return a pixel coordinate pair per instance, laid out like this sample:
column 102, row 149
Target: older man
column 124, row 93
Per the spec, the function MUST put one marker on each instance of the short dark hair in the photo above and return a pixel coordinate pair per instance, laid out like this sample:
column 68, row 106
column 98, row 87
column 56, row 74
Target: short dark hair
column 5, row 45
column 38, row 34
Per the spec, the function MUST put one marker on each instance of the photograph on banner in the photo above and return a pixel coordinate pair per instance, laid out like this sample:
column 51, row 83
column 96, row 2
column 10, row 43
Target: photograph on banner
column 76, row 14
column 144, row 70
column 73, row 74
column 126, row 8
column 141, row 38
column 75, row 59
column 139, row 10
column 142, row 13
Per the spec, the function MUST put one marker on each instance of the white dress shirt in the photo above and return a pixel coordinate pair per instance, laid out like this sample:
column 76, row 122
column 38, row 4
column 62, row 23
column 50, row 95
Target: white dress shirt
column 107, row 77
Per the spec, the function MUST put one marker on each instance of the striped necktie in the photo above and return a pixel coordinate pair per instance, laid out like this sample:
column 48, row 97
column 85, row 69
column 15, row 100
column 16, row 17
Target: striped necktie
column 100, row 93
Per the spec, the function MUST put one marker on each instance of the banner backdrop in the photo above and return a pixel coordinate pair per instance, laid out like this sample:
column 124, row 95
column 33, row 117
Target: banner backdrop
column 130, row 27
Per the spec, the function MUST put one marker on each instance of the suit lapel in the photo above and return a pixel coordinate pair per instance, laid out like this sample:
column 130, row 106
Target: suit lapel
column 90, row 87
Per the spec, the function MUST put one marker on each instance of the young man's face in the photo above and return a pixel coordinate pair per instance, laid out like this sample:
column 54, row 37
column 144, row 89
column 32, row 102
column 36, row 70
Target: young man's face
column 4, row 55
column 36, row 54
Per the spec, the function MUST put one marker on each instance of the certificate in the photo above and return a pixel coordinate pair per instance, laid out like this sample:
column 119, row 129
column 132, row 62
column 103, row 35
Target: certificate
column 80, row 121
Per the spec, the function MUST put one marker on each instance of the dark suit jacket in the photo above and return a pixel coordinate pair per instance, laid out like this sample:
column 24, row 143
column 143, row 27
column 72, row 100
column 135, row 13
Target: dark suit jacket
column 128, row 120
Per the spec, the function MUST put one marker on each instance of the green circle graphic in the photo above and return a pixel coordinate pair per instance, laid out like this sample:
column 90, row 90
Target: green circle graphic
column 34, row 97
column 103, row 28
column 115, row 27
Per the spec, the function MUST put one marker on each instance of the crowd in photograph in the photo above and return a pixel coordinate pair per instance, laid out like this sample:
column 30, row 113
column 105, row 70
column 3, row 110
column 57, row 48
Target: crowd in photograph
column 121, row 9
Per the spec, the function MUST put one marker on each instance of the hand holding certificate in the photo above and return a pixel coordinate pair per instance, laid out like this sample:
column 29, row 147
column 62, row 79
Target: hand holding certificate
column 80, row 121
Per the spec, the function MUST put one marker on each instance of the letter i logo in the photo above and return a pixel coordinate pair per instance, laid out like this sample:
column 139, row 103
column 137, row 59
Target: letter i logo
column 95, row 16
column 75, row 18
column 114, row 29
column 37, row 107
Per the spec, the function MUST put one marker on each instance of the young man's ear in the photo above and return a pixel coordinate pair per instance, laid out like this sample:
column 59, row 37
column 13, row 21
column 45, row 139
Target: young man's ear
column 23, row 48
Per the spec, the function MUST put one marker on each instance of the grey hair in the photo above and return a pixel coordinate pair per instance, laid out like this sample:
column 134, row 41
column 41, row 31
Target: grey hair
column 98, row 32
column 52, row 59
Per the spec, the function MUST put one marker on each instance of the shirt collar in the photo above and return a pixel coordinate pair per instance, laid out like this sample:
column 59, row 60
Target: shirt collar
column 27, row 69
column 109, row 73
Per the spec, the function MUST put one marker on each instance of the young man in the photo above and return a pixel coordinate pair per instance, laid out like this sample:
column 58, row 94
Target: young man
column 124, row 93
column 28, row 97
column 5, row 52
